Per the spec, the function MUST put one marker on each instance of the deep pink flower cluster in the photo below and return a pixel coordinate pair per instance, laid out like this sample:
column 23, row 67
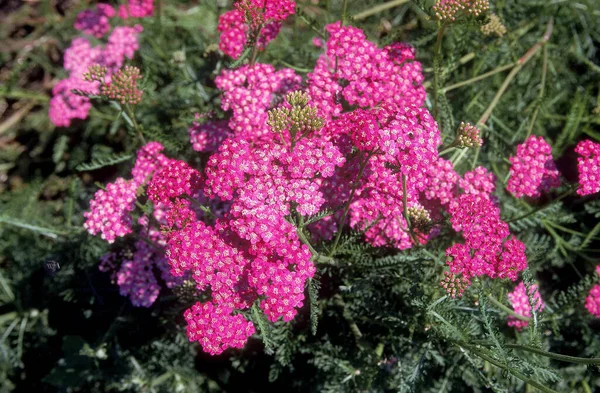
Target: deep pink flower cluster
column 488, row 249
column 110, row 208
column 208, row 136
column 520, row 303
column 215, row 328
column 592, row 301
column 588, row 166
column 95, row 21
column 248, row 93
column 175, row 178
column 533, row 170
column 65, row 105
column 136, row 9
column 263, row 17
column 372, row 76
column 478, row 182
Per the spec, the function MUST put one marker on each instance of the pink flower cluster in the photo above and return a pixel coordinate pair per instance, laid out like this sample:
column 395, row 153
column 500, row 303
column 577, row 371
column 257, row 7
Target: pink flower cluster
column 488, row 249
column 478, row 182
column 520, row 303
column 589, row 167
column 66, row 105
column 261, row 17
column 136, row 9
column 95, row 21
column 208, row 136
column 110, row 208
column 533, row 170
column 248, row 93
column 372, row 76
column 592, row 301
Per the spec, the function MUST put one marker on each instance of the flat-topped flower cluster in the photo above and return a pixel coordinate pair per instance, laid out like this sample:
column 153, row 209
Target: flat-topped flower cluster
column 353, row 138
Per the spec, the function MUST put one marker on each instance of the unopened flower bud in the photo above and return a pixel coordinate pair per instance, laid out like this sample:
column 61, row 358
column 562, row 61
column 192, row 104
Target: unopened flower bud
column 454, row 285
column 468, row 136
column 494, row 26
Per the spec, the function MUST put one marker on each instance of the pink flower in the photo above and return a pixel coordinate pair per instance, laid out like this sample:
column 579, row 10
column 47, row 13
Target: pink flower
column 520, row 303
column 592, row 301
column 95, row 21
column 174, row 179
column 207, row 137
column 589, row 167
column 109, row 210
column 136, row 9
column 216, row 328
column 478, row 182
column 533, row 170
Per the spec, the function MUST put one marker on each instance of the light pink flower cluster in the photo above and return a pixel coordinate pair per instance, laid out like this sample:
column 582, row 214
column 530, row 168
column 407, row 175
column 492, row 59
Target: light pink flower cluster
column 592, row 301
column 208, row 136
column 488, row 249
column 520, row 303
column 248, row 93
column 261, row 18
column 372, row 76
column 136, row 9
column 533, row 170
column 110, row 208
column 450, row 10
column 65, row 105
column 95, row 21
column 588, row 166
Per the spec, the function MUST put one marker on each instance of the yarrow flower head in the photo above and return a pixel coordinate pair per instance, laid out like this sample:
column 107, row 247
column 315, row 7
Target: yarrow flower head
column 588, row 166
column 65, row 105
column 176, row 178
column 136, row 9
column 450, row 10
column 258, row 21
column 216, row 328
column 468, row 136
column 520, row 303
column 123, row 86
column 207, row 137
column 95, row 21
column 533, row 170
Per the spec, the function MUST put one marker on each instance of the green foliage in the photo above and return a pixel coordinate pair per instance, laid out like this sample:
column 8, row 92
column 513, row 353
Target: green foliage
column 374, row 319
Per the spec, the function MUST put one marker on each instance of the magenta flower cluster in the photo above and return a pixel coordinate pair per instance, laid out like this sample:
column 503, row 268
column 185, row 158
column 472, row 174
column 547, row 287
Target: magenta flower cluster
column 592, row 301
column 260, row 17
column 520, row 303
column 122, row 43
column 533, row 170
column 95, row 21
column 589, row 167
column 136, row 9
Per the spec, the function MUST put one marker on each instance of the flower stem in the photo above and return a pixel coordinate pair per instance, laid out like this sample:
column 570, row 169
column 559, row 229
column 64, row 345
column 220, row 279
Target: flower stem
column 136, row 126
column 507, row 310
column 436, row 67
column 552, row 355
column 561, row 197
column 379, row 8
column 479, row 77
column 363, row 164
column 542, row 90
column 205, row 209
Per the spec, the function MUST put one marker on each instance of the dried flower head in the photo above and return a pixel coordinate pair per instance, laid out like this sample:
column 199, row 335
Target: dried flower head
column 494, row 26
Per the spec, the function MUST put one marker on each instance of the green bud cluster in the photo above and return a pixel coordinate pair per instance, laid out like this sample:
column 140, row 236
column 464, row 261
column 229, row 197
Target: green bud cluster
column 300, row 119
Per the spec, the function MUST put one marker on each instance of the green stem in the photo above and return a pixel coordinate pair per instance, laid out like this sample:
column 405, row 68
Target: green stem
column 405, row 207
column 436, row 67
column 498, row 364
column 205, row 209
column 561, row 197
column 552, row 355
column 519, row 64
column 507, row 310
column 479, row 77
column 542, row 90
column 344, row 7
column 136, row 126
column 379, row 8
